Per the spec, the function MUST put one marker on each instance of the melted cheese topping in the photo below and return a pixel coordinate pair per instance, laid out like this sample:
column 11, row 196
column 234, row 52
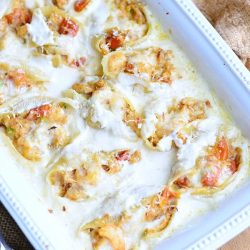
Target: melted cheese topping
column 145, row 146
column 39, row 30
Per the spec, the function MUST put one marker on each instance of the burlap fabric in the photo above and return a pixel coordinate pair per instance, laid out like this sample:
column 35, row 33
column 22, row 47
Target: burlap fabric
column 11, row 233
column 231, row 18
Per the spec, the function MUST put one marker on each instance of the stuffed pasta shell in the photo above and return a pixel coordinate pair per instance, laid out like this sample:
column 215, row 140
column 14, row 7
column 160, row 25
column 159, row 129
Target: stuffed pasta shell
column 49, row 31
column 16, row 80
column 38, row 128
column 164, row 123
column 105, row 108
column 219, row 160
column 85, row 175
column 149, row 218
column 132, row 26
column 151, row 64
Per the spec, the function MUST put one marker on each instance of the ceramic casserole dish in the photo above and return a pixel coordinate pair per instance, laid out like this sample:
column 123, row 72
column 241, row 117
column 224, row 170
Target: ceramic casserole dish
column 226, row 76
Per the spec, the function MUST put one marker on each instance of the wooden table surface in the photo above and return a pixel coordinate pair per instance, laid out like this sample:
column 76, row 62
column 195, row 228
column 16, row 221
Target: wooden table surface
column 242, row 242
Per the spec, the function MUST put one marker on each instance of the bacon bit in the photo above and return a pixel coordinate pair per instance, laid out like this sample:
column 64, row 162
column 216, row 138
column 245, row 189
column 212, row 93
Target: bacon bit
column 208, row 103
column 50, row 211
column 64, row 209
column 19, row 78
column 129, row 68
column 235, row 163
column 222, row 149
column 106, row 168
column 161, row 56
column 233, row 166
column 183, row 182
column 38, row 112
column 76, row 63
column 123, row 155
column 80, row 5
column 19, row 16
column 68, row 27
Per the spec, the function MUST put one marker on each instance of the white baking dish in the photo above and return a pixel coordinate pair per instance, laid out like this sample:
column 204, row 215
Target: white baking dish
column 227, row 77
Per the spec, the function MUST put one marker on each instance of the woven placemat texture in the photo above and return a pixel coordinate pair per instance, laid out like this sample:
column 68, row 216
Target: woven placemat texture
column 231, row 18
column 11, row 232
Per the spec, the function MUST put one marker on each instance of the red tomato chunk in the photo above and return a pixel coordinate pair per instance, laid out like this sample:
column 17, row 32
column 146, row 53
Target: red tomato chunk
column 68, row 27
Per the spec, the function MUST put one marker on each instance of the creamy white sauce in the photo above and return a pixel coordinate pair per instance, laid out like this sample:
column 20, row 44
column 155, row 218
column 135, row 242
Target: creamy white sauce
column 155, row 107
column 39, row 30
column 34, row 3
column 4, row 5
column 206, row 136
column 108, row 116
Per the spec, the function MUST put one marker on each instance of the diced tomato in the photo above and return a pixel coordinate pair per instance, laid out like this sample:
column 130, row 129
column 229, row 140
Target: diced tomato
column 68, row 27
column 19, row 16
column 222, row 149
column 123, row 155
column 78, row 62
column 114, row 42
column 19, row 78
column 80, row 5
column 167, row 194
column 38, row 112
column 210, row 179
column 182, row 182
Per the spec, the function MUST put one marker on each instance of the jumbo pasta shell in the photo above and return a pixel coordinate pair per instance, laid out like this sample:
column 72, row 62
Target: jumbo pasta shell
column 18, row 78
column 151, row 64
column 115, row 38
column 215, row 168
column 39, row 127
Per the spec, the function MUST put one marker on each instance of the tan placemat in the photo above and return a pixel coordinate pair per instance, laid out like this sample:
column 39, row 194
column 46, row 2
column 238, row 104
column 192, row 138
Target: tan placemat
column 231, row 18
column 11, row 232
column 242, row 242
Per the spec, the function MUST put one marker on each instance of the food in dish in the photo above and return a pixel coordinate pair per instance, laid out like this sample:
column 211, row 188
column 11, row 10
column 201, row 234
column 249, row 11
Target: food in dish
column 111, row 122
column 39, row 127
column 89, row 170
